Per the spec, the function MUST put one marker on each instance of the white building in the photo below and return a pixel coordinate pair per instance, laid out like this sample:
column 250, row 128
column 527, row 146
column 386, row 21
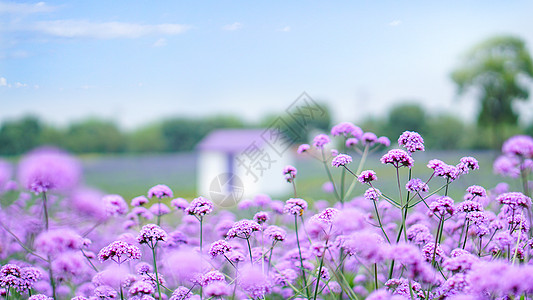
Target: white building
column 241, row 163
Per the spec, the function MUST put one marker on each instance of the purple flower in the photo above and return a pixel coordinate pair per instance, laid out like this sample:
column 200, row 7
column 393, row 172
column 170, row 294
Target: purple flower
column 303, row 148
column 211, row 277
column 40, row 297
column 416, row 185
column 442, row 205
column 419, row 234
column 328, row 187
column 334, row 152
column 429, row 252
column 115, row 205
column 369, row 138
column 219, row 247
column 5, row 173
column 160, row 191
column 412, row 141
column 520, row 145
column 48, row 169
column 290, row 173
column 254, row 282
column 151, row 234
column 295, row 206
column 367, row 176
column 372, row 194
column 468, row 163
column 341, row 160
column 181, row 293
column 143, row 268
column 119, row 252
column 179, row 203
column 56, row 241
column 261, row 217
column 105, row 292
column 351, row 142
column 200, row 207
column 285, row 277
column 326, row 216
column 477, row 190
column 159, row 209
column 365, row 244
column 507, row 166
column 22, row 279
column 320, row 141
column 398, row 158
column 243, row 229
column 346, row 129
column 217, row 289
column 139, row 201
column 470, row 206
column 140, row 288
column 383, row 140
column 275, row 233
column 514, row 200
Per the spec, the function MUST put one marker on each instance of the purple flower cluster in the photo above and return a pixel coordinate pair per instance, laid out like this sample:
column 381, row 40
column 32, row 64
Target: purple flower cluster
column 367, row 176
column 346, row 129
column 200, row 207
column 321, row 140
column 160, row 191
column 290, row 173
column 219, row 247
column 243, row 229
column 341, row 160
column 295, row 206
column 151, row 234
column 398, row 158
column 514, row 200
column 412, row 141
column 372, row 194
column 119, row 252
column 416, row 185
column 21, row 279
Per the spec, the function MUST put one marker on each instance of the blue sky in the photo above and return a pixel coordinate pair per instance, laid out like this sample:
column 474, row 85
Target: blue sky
column 138, row 61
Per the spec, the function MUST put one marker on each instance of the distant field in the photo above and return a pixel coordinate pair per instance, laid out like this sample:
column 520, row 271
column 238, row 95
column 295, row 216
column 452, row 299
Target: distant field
column 133, row 175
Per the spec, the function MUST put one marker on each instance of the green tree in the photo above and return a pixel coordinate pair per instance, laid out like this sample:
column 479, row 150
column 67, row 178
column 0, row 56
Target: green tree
column 95, row 136
column 147, row 139
column 496, row 70
column 405, row 116
column 443, row 133
column 19, row 136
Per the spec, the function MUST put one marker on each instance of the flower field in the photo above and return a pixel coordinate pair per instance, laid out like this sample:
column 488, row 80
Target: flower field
column 413, row 227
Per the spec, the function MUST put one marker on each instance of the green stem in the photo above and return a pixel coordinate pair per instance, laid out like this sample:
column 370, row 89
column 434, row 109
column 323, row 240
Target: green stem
column 201, row 234
column 320, row 270
column 466, row 233
column 249, row 250
column 343, row 175
column 155, row 270
column 300, row 252
column 324, row 161
column 379, row 221
column 376, row 276
column 121, row 292
column 45, row 208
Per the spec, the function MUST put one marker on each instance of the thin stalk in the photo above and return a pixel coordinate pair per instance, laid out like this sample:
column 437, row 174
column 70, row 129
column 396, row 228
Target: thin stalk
column 375, row 276
column 159, row 212
column 201, row 234
column 250, row 250
column 270, row 255
column 320, row 270
column 359, row 169
column 343, row 175
column 294, row 188
column 121, row 293
column 51, row 274
column 300, row 252
column 324, row 161
column 441, row 221
column 379, row 221
column 466, row 233
column 155, row 270
column 45, row 211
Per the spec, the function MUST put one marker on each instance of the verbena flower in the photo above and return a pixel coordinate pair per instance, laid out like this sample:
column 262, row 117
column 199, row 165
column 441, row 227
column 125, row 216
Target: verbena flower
column 139, row 201
column 351, row 142
column 367, row 176
column 295, row 206
column 416, row 185
column 181, row 293
column 514, row 200
column 40, row 297
column 56, row 241
column 275, row 233
column 412, row 141
column 290, row 173
column 303, row 148
column 254, row 282
column 326, row 216
column 21, row 279
column 341, row 160
column 219, row 247
column 115, row 205
column 346, row 129
column 151, row 234
column 141, row 288
column 383, row 140
column 369, row 138
column 520, row 145
column 261, row 217
column 468, row 163
column 398, row 158
column 477, row 190
column 160, row 191
column 320, row 141
column 200, row 207
column 179, row 203
column 217, row 289
column 119, row 252
column 243, row 229
column 372, row 194
column 159, row 209
column 442, row 206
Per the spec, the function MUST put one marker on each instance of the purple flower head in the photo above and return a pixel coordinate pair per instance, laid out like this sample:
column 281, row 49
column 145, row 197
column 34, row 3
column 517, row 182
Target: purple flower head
column 351, row 142
column 346, row 129
column 514, row 200
column 179, row 203
column 398, row 158
column 372, row 194
column 419, row 234
column 105, row 292
column 507, row 166
column 303, row 148
column 334, row 152
column 254, row 282
column 200, row 207
column 159, row 209
column 243, row 229
column 142, row 212
column 326, row 216
column 416, row 185
column 367, row 176
column 211, row 276
column 383, row 140
column 6, row 171
column 160, row 191
column 261, row 217
column 366, row 245
column 520, row 145
column 56, row 241
column 328, row 187
column 139, row 201
column 275, row 233
column 290, row 173
column 143, row 268
column 442, row 205
column 151, row 234
column 285, row 277
column 217, row 289
column 369, row 138
column 341, row 160
column 115, row 205
column 181, row 293
column 412, row 141
column 119, row 252
column 320, row 141
column 22, row 279
column 477, row 190
column 40, row 297
column 48, row 169
column 219, row 247
column 470, row 206
column 295, row 206
column 468, row 163
column 429, row 251
column 436, row 164
column 140, row 288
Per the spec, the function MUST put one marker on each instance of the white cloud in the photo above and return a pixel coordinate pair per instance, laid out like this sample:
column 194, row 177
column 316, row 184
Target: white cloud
column 395, row 23
column 20, row 85
column 24, row 8
column 3, row 81
column 232, row 27
column 160, row 43
column 285, row 29
column 104, row 30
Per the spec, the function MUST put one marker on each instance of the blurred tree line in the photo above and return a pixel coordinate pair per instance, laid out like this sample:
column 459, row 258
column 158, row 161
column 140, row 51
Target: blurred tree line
column 441, row 131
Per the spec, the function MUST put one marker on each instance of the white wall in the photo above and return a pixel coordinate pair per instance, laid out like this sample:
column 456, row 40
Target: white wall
column 210, row 165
